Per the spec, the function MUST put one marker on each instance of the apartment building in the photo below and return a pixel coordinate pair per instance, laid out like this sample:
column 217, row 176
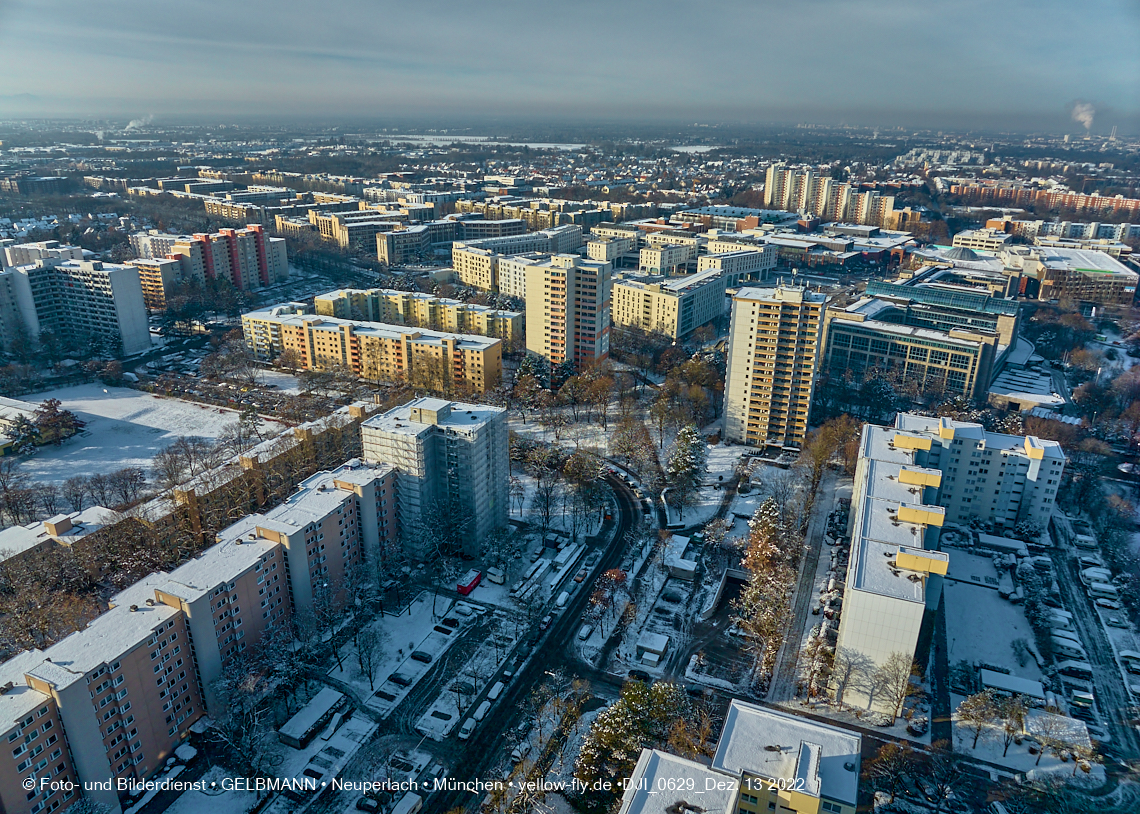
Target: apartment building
column 894, row 578
column 125, row 687
column 936, row 339
column 610, row 249
column 740, row 264
column 476, row 262
column 766, row 760
column 26, row 254
column 911, row 479
column 79, row 301
column 802, row 190
column 618, row 231
column 375, row 351
column 774, row 342
column 511, row 272
column 158, row 278
column 451, row 460
column 31, row 726
column 247, row 257
column 664, row 258
column 568, row 310
column 64, row 529
column 674, row 307
column 355, row 230
column 989, row 240
column 420, row 310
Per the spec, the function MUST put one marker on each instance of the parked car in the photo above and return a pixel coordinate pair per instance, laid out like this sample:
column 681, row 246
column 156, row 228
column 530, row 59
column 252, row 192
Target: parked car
column 640, row 675
column 1115, row 621
column 545, row 623
column 1107, row 604
column 367, row 804
column 420, row 655
column 581, row 575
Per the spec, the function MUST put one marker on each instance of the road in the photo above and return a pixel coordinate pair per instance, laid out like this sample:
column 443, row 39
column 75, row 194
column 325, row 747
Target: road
column 1112, row 699
column 474, row 759
column 783, row 685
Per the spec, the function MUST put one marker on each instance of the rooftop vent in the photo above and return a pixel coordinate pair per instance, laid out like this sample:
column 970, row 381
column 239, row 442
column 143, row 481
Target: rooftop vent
column 150, row 602
column 772, row 747
column 134, row 608
column 8, row 687
column 849, row 766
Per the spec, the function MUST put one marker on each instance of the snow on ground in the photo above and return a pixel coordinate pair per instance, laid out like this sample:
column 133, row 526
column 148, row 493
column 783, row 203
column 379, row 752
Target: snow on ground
column 124, row 428
column 562, row 770
column 481, row 671
column 412, row 629
column 284, row 382
column 214, row 800
column 146, row 798
column 971, row 609
column 991, row 744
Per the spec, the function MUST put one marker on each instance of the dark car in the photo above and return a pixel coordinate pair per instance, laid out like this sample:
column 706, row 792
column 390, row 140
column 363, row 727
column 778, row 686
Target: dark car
column 545, row 623
column 400, row 680
column 420, row 655
column 367, row 804
column 640, row 675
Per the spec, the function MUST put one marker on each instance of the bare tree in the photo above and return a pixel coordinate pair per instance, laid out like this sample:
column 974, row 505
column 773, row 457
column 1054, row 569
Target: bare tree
column 893, row 678
column 369, row 644
column 74, row 491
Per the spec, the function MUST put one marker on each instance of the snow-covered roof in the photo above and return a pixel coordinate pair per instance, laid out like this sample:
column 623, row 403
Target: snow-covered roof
column 647, row 791
column 777, row 745
column 64, row 529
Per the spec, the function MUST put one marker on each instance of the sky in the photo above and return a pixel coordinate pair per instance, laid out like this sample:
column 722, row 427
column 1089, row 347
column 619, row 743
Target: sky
column 933, row 63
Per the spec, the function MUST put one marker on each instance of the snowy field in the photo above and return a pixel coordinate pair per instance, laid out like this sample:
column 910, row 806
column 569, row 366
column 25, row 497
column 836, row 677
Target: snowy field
column 124, row 428
column 973, row 608
column 284, row 382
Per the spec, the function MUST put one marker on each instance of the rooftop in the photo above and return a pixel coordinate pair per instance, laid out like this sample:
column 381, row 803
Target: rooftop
column 449, row 415
column 767, row 743
column 21, row 699
column 285, row 315
column 64, row 529
column 659, row 770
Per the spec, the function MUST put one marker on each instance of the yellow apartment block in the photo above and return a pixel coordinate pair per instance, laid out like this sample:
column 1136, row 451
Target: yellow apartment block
column 376, row 351
column 411, row 308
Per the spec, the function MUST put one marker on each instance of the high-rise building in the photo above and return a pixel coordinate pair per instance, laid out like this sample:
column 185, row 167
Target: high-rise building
column 773, row 350
column 158, row 277
column 568, row 310
column 375, row 351
column 452, row 470
column 740, row 264
column 247, row 257
column 674, row 307
column 80, row 301
column 910, row 479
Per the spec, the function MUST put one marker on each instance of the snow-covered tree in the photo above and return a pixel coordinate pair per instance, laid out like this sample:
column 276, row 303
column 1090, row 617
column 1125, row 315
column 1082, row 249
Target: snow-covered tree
column 686, row 465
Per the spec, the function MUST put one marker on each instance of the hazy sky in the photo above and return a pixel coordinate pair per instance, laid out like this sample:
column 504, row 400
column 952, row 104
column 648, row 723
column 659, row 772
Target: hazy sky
column 925, row 62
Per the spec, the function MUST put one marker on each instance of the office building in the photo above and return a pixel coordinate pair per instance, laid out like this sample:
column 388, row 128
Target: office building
column 773, row 349
column 452, row 467
column 247, row 257
column 674, row 307
column 1079, row 275
column 420, row 311
column 568, row 310
column 989, row 240
column 375, row 351
column 766, row 760
column 910, row 479
column 740, row 264
column 928, row 339
column 81, row 302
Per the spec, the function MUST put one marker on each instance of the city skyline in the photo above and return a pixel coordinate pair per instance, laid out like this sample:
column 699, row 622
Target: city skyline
column 1013, row 66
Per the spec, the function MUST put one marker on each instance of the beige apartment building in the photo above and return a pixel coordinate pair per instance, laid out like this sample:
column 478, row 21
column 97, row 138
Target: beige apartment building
column 610, row 249
column 664, row 258
column 739, row 264
column 157, row 277
column 674, row 307
column 420, row 310
column 774, row 344
column 376, row 351
column 568, row 310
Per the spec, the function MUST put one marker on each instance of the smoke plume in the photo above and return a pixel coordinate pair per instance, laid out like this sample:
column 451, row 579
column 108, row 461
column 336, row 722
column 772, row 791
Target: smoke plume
column 1084, row 112
column 134, row 124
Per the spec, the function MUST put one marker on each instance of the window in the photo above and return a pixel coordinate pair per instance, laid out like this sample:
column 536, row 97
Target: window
column 834, row 807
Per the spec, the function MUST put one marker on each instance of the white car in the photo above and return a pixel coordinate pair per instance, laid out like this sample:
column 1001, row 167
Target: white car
column 1107, row 604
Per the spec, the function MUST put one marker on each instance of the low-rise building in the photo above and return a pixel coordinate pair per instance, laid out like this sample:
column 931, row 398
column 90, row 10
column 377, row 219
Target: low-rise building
column 740, row 265
column 990, row 240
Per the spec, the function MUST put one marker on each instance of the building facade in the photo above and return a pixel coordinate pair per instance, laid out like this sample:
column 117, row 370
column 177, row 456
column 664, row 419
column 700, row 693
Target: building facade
column 420, row 311
column 674, row 307
column 375, row 351
column 568, row 310
column 247, row 257
column 774, row 344
column 741, row 264
column 452, row 471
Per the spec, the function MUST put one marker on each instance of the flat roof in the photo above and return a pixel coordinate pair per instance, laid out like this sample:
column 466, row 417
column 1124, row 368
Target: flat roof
column 18, row 539
column 462, row 417
column 650, row 797
column 830, row 769
column 378, row 329
column 20, row 699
